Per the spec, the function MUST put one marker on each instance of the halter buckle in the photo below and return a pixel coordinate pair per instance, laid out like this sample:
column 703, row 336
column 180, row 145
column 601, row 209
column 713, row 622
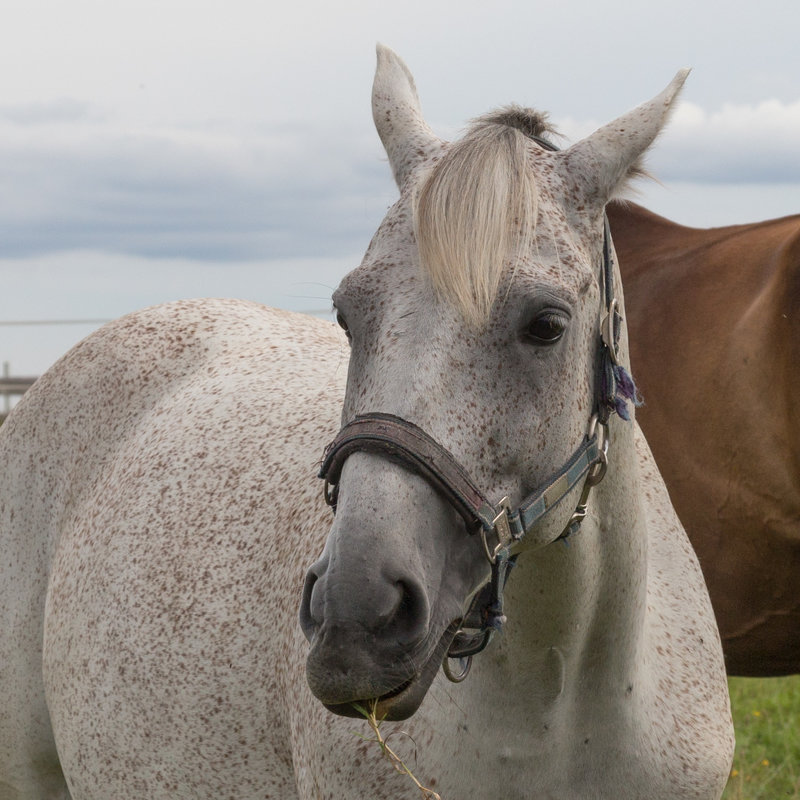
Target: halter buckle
column 502, row 530
column 598, row 470
column 607, row 331
column 596, row 473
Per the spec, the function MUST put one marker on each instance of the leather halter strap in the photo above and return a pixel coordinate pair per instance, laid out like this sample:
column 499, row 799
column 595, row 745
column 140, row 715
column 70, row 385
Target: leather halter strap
column 401, row 441
column 404, row 442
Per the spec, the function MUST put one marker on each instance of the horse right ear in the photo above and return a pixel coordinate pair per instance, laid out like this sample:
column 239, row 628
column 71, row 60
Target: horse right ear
column 398, row 116
column 605, row 161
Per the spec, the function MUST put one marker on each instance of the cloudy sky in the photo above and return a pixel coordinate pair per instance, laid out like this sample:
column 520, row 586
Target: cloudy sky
column 158, row 149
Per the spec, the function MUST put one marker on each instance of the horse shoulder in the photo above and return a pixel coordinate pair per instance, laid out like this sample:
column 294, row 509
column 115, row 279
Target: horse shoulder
column 754, row 380
column 788, row 318
column 712, row 319
column 50, row 447
column 773, row 347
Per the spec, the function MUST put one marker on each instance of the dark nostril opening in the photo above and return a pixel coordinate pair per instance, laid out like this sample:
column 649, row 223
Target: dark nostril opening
column 308, row 623
column 392, row 609
column 410, row 621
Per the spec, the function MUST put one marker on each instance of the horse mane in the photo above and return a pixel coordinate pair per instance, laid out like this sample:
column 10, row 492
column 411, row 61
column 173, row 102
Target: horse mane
column 477, row 206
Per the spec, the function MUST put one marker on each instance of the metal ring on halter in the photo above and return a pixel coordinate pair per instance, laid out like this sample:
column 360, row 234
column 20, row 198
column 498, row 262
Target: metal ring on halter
column 607, row 331
column 331, row 494
column 457, row 677
column 491, row 555
column 598, row 470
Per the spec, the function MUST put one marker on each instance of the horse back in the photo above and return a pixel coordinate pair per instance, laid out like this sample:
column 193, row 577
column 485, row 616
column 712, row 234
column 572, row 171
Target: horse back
column 159, row 504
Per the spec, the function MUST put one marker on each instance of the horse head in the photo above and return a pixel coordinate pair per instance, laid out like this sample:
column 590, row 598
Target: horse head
column 475, row 322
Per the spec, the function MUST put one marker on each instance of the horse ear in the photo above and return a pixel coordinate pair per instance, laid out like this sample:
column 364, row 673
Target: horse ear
column 398, row 115
column 613, row 155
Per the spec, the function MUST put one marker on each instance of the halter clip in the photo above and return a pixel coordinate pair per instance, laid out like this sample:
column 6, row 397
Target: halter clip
column 607, row 332
column 502, row 530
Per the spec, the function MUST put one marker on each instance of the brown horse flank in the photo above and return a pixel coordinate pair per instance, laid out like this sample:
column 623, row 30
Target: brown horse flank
column 714, row 321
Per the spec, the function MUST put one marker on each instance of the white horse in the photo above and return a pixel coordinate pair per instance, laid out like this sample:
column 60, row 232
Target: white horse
column 159, row 507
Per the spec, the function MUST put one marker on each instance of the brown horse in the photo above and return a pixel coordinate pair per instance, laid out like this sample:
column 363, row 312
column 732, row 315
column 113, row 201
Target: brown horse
column 714, row 321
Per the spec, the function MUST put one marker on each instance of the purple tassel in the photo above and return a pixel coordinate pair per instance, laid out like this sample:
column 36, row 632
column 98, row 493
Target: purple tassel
column 625, row 390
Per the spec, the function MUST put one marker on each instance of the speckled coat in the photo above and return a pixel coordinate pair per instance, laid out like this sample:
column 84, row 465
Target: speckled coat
column 159, row 509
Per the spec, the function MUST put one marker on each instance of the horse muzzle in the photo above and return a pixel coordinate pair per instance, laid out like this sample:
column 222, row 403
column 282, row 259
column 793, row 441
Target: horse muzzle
column 382, row 605
column 381, row 660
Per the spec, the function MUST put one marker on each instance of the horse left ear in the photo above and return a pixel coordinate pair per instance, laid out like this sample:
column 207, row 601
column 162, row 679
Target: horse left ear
column 612, row 155
column 398, row 116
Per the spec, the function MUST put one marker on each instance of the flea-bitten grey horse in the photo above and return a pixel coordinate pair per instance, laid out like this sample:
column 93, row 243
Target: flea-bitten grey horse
column 160, row 510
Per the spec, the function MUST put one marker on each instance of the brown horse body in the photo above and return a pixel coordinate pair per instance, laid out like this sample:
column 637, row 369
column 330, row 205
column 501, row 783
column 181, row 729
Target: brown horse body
column 714, row 321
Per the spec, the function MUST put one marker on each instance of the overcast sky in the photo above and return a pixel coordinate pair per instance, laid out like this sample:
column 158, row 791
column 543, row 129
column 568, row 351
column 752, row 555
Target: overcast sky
column 160, row 149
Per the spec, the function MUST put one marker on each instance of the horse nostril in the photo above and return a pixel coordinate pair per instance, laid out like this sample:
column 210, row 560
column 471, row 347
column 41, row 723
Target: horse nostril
column 309, row 622
column 410, row 619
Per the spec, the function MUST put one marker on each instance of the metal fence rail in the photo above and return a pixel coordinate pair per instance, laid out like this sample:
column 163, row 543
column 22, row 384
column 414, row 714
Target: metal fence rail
column 15, row 385
column 10, row 387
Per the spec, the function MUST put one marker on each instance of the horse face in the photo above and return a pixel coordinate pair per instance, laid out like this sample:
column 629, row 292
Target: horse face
column 509, row 394
column 510, row 401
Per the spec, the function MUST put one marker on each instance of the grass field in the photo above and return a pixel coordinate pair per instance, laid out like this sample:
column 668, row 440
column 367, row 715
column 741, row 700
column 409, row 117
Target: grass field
column 766, row 715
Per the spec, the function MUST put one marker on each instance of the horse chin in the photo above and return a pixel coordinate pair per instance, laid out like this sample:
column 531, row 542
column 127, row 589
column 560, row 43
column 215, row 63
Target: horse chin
column 403, row 701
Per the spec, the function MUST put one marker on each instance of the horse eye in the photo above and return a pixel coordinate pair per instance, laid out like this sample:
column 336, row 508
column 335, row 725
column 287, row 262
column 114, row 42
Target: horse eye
column 546, row 328
column 342, row 323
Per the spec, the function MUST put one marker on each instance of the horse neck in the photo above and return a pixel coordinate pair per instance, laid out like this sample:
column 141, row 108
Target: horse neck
column 576, row 609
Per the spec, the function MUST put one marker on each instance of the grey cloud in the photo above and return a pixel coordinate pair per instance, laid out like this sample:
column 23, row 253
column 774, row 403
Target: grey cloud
column 55, row 111
column 182, row 194
column 736, row 144
column 287, row 192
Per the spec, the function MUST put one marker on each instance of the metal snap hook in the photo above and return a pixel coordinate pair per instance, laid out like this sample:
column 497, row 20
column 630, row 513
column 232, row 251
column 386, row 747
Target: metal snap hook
column 457, row 677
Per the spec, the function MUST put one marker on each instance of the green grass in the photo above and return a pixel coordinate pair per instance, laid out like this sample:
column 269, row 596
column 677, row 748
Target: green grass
column 766, row 716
